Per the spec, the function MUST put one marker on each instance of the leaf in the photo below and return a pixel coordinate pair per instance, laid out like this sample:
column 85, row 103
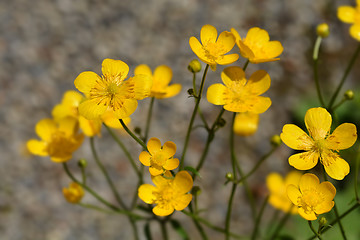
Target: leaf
column 193, row 170
column 179, row 229
column 147, row 231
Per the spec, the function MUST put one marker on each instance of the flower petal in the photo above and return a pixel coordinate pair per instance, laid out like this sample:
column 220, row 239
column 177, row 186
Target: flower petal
column 143, row 69
column 308, row 182
column 245, row 51
column 227, row 41
column 260, row 105
column 324, row 207
column 355, row 31
column 198, row 49
column 139, row 86
column 227, row 59
column 45, row 128
column 162, row 75
column 343, row 137
column 273, row 49
column 216, row 94
column 86, row 81
column 37, row 147
column 90, row 127
column 69, row 125
column 230, row 75
column 346, row 14
column 146, row 193
column 308, row 216
column 293, row 194
column 156, row 171
column 171, row 164
column 90, row 109
column 246, row 124
column 208, row 34
column 169, row 149
column 295, row 138
column 274, row 182
column 236, row 34
column 183, row 182
column 258, row 83
column 112, row 67
column 182, row 202
column 153, row 145
column 304, row 161
column 318, row 122
column 161, row 182
column 144, row 158
column 128, row 107
column 171, row 91
column 327, row 190
column 293, row 178
column 163, row 210
column 257, row 36
column 336, row 167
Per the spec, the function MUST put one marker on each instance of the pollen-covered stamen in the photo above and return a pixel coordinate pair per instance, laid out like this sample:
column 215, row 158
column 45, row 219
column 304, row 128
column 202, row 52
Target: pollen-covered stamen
column 213, row 51
column 309, row 200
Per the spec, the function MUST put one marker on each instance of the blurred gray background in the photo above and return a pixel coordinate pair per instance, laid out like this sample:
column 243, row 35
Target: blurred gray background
column 44, row 45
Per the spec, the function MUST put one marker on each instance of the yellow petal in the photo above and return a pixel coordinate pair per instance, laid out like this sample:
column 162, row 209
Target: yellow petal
column 258, row 83
column 90, row 109
column 146, row 193
column 295, row 138
column 72, row 98
column 183, row 182
column 304, row 161
column 227, row 41
column 169, row 149
column 153, row 145
column 128, row 107
column 308, row 216
column 182, row 202
column 355, row 31
column 61, row 159
column 37, row 147
column 60, row 111
column 318, row 122
column 263, row 60
column 141, row 85
column 346, row 14
column 163, row 210
column 293, row 178
column 90, row 127
column 86, row 81
column 227, row 59
column 198, row 49
column 161, row 182
column 257, row 36
column 155, row 171
column 246, row 124
column 336, row 167
column 143, row 69
column 208, row 34
column 273, row 49
column 245, row 51
column 216, row 94
column 171, row 91
column 236, row 34
column 327, row 190
column 144, row 158
column 324, row 207
column 294, row 194
column 162, row 75
column 171, row 164
column 274, row 182
column 308, row 182
column 230, row 75
column 260, row 105
column 45, row 128
column 343, row 137
column 69, row 125
column 112, row 67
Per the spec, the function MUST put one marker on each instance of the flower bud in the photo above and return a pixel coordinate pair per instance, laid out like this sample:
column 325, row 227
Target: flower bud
column 322, row 221
column 194, row 66
column 137, row 130
column 275, row 140
column 82, row 163
column 221, row 122
column 190, row 91
column 196, row 190
column 229, row 176
column 349, row 95
column 322, row 30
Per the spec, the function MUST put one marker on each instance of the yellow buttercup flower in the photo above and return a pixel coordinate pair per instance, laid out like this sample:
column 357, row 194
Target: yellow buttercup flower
column 161, row 79
column 212, row 50
column 167, row 194
column 277, row 186
column 257, row 47
column 58, row 139
column 320, row 143
column 246, row 124
column 74, row 193
column 349, row 14
column 240, row 94
column 159, row 158
column 312, row 197
column 111, row 92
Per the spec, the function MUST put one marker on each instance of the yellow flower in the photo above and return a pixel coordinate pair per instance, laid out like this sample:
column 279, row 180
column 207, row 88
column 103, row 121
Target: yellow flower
column 167, row 194
column 320, row 143
column 351, row 15
column 246, row 124
column 159, row 158
column 111, row 92
column 312, row 197
column 212, row 50
column 74, row 193
column 69, row 107
column 161, row 79
column 257, row 47
column 277, row 186
column 240, row 94
column 58, row 140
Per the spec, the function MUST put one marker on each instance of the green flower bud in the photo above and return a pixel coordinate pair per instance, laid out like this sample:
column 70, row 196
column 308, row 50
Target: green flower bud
column 322, row 30
column 349, row 95
column 137, row 130
column 229, row 176
column 82, row 163
column 190, row 92
column 275, row 140
column 194, row 66
column 196, row 190
column 322, row 221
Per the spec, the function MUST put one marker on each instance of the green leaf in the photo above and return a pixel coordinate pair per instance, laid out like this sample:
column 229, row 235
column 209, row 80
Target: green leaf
column 147, row 231
column 193, row 170
column 179, row 229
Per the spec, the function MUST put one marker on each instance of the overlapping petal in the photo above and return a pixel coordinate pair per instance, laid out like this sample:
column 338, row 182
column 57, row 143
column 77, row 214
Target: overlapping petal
column 183, row 182
column 86, row 81
column 154, row 145
column 118, row 68
column 346, row 14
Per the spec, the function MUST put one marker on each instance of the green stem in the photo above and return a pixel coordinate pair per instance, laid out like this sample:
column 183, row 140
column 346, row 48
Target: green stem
column 281, row 225
column 194, row 84
column 93, row 207
column 228, row 213
column 315, row 68
column 339, row 104
column 83, row 175
column 106, row 175
column 164, row 230
column 148, row 120
column 181, row 165
column 197, row 224
column 134, row 228
column 258, row 219
column 133, row 135
column 245, row 65
column 127, row 153
column 313, row 230
column 346, row 73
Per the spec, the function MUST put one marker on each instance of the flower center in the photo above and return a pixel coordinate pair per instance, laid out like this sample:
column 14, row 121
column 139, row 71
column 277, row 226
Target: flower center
column 310, row 200
column 60, row 145
column 158, row 160
column 213, row 51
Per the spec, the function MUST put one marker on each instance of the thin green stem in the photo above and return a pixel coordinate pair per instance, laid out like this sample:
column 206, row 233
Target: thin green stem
column 314, row 231
column 346, row 73
column 134, row 228
column 106, row 175
column 93, row 207
column 197, row 224
column 164, row 230
column 315, row 68
column 280, row 225
column 148, row 119
column 83, row 175
column 245, row 65
column 356, row 182
column 194, row 84
column 228, row 213
column 339, row 104
column 133, row 135
column 127, row 153
column 258, row 219
column 187, row 138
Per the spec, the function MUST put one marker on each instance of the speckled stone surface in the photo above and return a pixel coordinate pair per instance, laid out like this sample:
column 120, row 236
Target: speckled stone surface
column 44, row 45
